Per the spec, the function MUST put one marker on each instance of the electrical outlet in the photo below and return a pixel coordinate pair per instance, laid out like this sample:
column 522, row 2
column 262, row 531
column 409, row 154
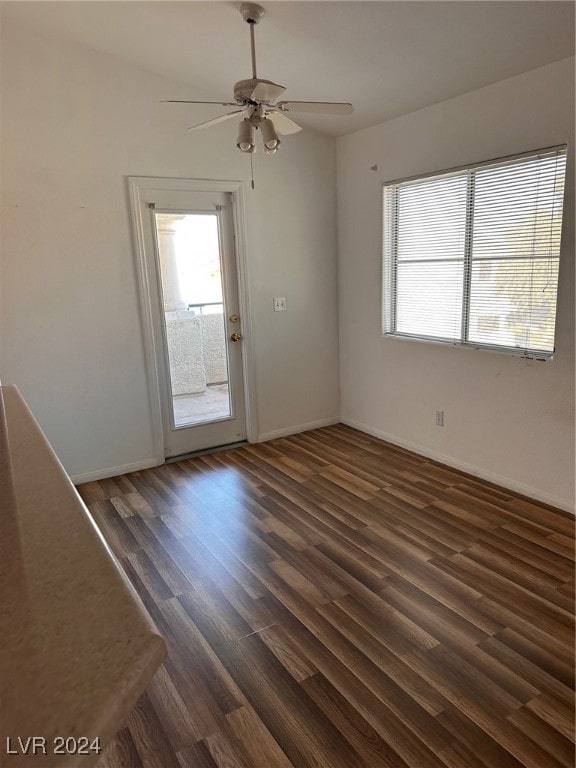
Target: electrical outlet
column 439, row 418
column 280, row 304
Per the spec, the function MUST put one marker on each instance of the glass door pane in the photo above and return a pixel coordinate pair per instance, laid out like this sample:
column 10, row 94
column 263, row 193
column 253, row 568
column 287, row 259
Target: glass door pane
column 194, row 316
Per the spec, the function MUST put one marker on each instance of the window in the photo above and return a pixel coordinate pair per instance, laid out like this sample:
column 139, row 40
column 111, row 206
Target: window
column 471, row 255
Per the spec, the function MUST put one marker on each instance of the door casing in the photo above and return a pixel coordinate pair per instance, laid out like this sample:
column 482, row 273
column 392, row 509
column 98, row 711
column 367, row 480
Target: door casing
column 141, row 191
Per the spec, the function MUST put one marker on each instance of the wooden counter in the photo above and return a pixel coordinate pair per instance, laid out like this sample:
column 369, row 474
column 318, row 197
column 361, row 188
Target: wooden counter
column 77, row 647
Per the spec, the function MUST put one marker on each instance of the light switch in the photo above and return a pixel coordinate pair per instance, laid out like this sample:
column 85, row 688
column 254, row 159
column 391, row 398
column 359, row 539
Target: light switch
column 280, row 304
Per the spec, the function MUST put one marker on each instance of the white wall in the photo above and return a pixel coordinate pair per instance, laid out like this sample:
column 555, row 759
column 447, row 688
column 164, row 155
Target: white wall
column 75, row 123
column 506, row 419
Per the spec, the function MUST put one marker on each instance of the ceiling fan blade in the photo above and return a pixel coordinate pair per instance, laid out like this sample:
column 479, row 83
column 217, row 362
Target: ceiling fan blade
column 184, row 101
column 216, row 120
column 319, row 107
column 283, row 124
column 267, row 91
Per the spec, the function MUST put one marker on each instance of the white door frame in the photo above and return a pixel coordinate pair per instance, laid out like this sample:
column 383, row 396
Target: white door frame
column 140, row 189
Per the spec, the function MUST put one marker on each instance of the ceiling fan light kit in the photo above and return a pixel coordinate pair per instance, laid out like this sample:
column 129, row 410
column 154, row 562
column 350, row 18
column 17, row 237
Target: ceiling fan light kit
column 246, row 141
column 256, row 98
column 269, row 135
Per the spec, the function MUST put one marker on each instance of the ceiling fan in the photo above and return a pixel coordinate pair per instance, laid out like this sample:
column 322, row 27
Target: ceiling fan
column 256, row 99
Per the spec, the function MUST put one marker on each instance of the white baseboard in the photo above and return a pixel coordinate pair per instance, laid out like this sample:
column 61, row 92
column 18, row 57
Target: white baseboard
column 102, row 474
column 491, row 477
column 123, row 469
column 262, row 438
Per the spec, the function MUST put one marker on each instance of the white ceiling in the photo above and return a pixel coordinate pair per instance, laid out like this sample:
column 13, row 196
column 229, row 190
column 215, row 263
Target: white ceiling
column 387, row 58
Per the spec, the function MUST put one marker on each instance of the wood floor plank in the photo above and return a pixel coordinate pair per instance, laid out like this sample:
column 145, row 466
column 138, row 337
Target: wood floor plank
column 566, row 541
column 365, row 694
column 216, row 576
column 472, row 745
column 477, row 700
column 288, row 653
column 403, row 745
column 330, row 600
column 553, row 742
column 215, row 617
column 92, row 492
column 446, row 607
column 154, row 492
column 149, row 575
column 121, row 505
column 530, row 552
column 291, row 449
column 387, row 676
column 350, row 566
column 533, row 579
column 119, row 534
column 461, row 756
column 557, row 714
column 225, row 753
column 303, row 732
column 235, row 566
column 375, row 667
column 154, row 747
column 542, row 651
column 293, row 469
column 381, row 672
column 256, row 741
column 537, row 672
column 195, row 653
column 350, row 723
column 121, row 752
column 181, row 729
column 116, row 486
column 542, row 536
column 530, row 606
column 559, row 522
column 568, row 589
column 196, row 756
column 399, row 633
column 393, row 511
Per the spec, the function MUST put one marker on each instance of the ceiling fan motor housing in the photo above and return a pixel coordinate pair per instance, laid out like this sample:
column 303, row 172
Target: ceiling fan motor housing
column 244, row 89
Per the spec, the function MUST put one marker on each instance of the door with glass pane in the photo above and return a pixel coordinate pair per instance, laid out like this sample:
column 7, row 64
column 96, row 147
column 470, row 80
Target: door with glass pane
column 198, row 329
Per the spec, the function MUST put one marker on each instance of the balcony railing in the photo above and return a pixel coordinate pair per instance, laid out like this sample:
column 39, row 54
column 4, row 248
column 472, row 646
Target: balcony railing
column 199, row 308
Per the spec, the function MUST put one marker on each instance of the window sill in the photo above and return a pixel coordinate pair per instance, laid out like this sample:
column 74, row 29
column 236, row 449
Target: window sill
column 510, row 351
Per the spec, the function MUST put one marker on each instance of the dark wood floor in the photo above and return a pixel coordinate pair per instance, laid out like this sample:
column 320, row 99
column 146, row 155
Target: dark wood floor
column 332, row 601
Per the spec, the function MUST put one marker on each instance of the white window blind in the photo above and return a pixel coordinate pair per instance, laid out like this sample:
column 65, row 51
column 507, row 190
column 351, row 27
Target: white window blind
column 471, row 255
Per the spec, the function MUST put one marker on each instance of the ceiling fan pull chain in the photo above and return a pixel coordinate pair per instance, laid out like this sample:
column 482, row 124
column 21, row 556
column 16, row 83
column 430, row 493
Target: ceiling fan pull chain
column 252, row 171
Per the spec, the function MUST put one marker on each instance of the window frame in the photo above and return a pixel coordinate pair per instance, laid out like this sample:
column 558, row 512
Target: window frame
column 390, row 265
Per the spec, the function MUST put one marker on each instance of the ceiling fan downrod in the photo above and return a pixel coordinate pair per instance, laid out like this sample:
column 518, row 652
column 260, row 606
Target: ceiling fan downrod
column 253, row 50
column 252, row 15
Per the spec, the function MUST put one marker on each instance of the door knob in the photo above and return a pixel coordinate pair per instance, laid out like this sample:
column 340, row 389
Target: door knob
column 236, row 336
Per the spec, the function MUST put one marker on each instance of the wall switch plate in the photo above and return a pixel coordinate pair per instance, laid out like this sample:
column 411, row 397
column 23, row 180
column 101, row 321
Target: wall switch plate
column 279, row 304
column 439, row 418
